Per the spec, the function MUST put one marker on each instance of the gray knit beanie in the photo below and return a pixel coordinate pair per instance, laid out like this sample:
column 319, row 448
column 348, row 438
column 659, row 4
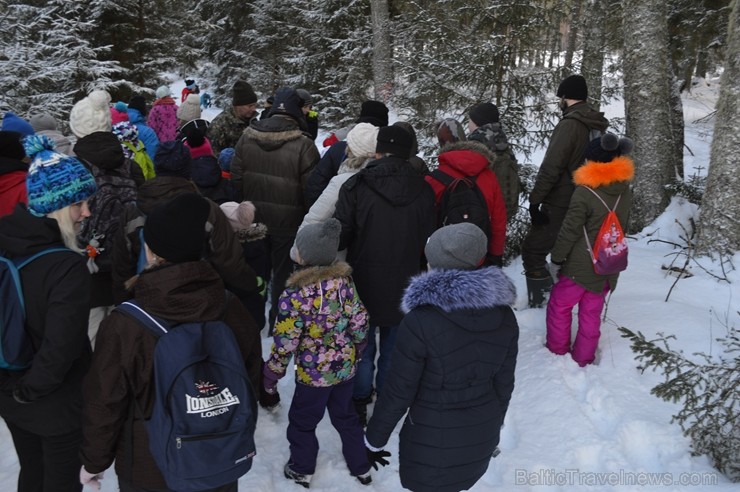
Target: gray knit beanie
column 456, row 247
column 317, row 243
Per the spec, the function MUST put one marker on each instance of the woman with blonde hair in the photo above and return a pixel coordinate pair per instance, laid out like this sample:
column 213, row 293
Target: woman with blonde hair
column 42, row 404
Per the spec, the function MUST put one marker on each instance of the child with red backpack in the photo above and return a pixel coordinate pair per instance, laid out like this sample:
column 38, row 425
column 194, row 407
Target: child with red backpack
column 602, row 186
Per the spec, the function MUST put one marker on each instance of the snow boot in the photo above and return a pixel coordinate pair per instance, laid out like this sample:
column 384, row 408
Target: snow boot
column 537, row 287
column 365, row 479
column 299, row 478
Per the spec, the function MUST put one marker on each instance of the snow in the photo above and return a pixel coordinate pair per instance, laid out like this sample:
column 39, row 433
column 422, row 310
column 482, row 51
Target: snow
column 568, row 428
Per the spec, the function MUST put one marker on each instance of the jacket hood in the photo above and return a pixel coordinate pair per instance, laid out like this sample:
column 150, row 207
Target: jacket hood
column 182, row 291
column 257, row 232
column 469, row 159
column 599, row 174
column 164, row 101
column 492, row 136
column 160, row 190
column 315, row 274
column 585, row 114
column 100, row 149
column 454, row 290
column 135, row 117
column 22, row 233
column 272, row 133
column 394, row 179
column 9, row 165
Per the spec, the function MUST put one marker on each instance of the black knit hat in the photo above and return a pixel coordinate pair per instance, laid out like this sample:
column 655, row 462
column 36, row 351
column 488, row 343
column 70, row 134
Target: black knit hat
column 394, row 140
column 484, row 113
column 137, row 102
column 374, row 112
column 573, row 87
column 173, row 159
column 243, row 94
column 11, row 146
column 607, row 147
column 176, row 230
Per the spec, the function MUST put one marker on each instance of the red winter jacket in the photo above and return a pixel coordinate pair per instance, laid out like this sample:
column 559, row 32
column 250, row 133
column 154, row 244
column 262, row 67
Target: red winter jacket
column 473, row 159
column 12, row 191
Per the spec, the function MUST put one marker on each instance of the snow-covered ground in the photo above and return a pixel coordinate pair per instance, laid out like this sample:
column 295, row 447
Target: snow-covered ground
column 568, row 428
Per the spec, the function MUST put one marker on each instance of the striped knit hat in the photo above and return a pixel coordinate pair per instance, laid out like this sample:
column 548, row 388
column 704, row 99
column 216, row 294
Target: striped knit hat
column 54, row 180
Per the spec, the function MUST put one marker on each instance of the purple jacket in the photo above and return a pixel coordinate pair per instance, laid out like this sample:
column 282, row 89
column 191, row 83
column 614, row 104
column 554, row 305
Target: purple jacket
column 163, row 119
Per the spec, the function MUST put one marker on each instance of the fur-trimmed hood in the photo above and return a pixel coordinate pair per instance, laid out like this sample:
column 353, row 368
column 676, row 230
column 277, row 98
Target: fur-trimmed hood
column 595, row 174
column 256, row 232
column 470, row 145
column 353, row 164
column 273, row 132
column 453, row 290
column 315, row 274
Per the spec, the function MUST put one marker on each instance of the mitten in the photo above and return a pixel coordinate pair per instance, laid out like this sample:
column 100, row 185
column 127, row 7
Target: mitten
column 377, row 457
column 538, row 216
column 269, row 400
column 92, row 480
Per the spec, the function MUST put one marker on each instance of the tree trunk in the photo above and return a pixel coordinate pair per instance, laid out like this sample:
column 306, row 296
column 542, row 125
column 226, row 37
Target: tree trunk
column 382, row 70
column 575, row 22
column 594, row 45
column 719, row 225
column 647, row 86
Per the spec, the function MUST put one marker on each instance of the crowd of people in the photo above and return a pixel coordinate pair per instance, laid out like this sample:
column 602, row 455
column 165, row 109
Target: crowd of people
column 378, row 287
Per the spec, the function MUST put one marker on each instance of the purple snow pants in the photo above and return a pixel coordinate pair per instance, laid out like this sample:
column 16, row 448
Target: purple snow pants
column 564, row 296
column 307, row 410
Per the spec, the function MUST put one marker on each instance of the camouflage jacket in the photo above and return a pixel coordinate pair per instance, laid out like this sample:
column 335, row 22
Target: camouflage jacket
column 225, row 130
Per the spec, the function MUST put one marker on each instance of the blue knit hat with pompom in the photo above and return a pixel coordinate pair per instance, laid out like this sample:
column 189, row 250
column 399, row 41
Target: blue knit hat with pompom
column 54, row 180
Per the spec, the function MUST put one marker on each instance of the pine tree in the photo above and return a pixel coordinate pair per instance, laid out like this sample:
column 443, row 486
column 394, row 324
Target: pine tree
column 708, row 390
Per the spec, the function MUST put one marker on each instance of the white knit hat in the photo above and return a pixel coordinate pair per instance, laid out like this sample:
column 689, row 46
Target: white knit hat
column 240, row 215
column 163, row 91
column 362, row 140
column 91, row 114
column 190, row 109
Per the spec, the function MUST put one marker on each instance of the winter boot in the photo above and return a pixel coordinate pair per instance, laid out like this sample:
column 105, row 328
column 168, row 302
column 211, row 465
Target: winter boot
column 537, row 287
column 365, row 479
column 299, row 478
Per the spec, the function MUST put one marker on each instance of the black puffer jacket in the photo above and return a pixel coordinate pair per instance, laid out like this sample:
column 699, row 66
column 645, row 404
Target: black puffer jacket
column 554, row 183
column 453, row 370
column 271, row 164
column 387, row 215
column 56, row 288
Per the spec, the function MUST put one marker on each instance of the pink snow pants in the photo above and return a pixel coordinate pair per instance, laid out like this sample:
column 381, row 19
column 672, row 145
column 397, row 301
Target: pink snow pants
column 564, row 296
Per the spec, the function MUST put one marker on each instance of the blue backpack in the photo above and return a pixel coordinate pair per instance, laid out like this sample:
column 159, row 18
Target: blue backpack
column 201, row 432
column 16, row 349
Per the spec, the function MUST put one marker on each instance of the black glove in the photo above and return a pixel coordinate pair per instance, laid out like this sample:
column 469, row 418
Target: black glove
column 494, row 260
column 268, row 401
column 538, row 216
column 377, row 457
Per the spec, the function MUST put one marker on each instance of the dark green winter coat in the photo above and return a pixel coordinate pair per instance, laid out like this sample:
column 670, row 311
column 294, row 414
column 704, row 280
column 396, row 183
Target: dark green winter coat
column 226, row 129
column 609, row 180
column 271, row 164
column 554, row 184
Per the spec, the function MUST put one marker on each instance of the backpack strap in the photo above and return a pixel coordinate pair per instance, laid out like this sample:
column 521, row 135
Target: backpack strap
column 157, row 326
column 443, row 177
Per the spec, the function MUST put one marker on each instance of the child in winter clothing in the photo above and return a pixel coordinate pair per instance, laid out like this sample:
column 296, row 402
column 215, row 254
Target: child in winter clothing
column 206, row 173
column 607, row 173
column 453, row 365
column 322, row 320
column 253, row 238
column 163, row 115
column 224, row 161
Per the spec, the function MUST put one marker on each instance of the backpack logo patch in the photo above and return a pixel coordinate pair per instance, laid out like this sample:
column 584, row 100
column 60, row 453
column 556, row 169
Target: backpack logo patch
column 212, row 403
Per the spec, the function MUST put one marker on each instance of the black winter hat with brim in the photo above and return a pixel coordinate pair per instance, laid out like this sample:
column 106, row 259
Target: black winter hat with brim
column 173, row 159
column 176, row 230
column 573, row 87
column 288, row 103
column 373, row 112
column 394, row 140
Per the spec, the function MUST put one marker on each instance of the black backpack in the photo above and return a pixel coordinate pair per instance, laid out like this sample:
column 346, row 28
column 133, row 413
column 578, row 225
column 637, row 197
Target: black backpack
column 462, row 201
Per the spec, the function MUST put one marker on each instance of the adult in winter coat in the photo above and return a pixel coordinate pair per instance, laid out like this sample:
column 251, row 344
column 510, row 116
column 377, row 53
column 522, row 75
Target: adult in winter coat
column 549, row 199
column 271, row 163
column 608, row 172
column 373, row 112
column 470, row 158
column 137, row 116
column 46, row 124
column 163, row 115
column 230, row 124
column 387, row 214
column 177, row 286
column 173, row 166
column 453, row 367
column 13, row 169
column 361, row 142
column 42, row 405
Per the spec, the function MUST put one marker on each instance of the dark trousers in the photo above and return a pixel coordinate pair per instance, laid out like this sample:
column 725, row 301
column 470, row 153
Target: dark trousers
column 127, row 487
column 539, row 241
column 282, row 267
column 48, row 464
column 307, row 410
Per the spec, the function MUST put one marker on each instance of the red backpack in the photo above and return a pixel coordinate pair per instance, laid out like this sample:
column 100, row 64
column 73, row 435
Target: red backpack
column 609, row 251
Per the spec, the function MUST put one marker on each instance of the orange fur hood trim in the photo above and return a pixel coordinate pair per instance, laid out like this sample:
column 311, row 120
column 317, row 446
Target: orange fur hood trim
column 594, row 174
